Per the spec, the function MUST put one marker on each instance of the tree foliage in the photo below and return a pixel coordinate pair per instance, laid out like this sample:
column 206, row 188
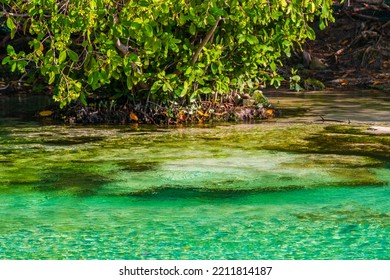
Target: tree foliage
column 158, row 50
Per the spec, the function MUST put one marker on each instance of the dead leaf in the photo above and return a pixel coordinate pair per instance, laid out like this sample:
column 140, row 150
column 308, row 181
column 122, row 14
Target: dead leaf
column 203, row 114
column 181, row 116
column 47, row 113
column 372, row 61
column 269, row 113
column 133, row 117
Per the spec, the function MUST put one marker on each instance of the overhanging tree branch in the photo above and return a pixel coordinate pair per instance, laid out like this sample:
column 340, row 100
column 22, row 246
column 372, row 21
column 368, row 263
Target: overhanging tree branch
column 205, row 41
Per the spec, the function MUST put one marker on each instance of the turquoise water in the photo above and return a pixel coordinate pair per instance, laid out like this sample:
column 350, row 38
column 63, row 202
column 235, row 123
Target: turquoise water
column 325, row 223
column 261, row 191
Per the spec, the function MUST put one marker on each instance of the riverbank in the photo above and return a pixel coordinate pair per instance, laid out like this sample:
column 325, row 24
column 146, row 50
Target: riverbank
column 353, row 52
column 351, row 55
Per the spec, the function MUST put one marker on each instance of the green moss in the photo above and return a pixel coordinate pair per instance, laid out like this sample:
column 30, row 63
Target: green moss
column 260, row 157
column 351, row 141
column 313, row 84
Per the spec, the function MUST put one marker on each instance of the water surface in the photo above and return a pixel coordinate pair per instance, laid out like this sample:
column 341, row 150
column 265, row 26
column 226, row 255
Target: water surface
column 291, row 188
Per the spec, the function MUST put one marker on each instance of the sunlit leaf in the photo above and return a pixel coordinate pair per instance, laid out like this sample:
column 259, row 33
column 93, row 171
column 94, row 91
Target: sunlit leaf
column 62, row 57
column 252, row 40
column 12, row 26
column 52, row 77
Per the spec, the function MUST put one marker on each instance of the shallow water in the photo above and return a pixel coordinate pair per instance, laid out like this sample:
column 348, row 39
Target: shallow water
column 273, row 190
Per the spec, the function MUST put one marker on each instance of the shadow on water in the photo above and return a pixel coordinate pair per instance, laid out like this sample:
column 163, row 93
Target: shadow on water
column 138, row 166
column 73, row 140
column 71, row 181
column 350, row 141
column 294, row 112
column 22, row 106
column 173, row 192
column 344, row 215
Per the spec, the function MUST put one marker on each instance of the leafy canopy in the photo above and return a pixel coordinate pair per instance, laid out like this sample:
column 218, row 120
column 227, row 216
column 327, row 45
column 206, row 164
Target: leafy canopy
column 158, row 50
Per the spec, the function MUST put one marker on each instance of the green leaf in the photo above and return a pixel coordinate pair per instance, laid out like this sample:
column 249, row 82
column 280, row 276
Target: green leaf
column 144, row 3
column 311, row 35
column 73, row 56
column 83, row 99
column 184, row 90
column 156, row 86
column 13, row 66
column 133, row 57
column 103, row 77
column 251, row 39
column 206, row 90
column 135, row 25
column 12, row 26
column 148, row 29
column 94, row 80
column 200, row 81
column 273, row 66
column 129, row 82
column 214, row 68
column 6, row 60
column 325, row 10
column 322, row 24
column 62, row 57
column 188, row 71
column 241, row 38
column 192, row 29
column 216, row 12
column 10, row 50
column 52, row 77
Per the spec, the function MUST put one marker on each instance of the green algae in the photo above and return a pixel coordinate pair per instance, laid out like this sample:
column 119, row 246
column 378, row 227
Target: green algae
column 137, row 166
column 73, row 141
column 332, row 139
column 247, row 157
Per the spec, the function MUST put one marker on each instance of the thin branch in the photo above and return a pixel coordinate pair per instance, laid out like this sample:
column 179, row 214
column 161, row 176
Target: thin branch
column 205, row 41
column 365, row 17
column 330, row 120
column 124, row 49
column 14, row 14
column 386, row 24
